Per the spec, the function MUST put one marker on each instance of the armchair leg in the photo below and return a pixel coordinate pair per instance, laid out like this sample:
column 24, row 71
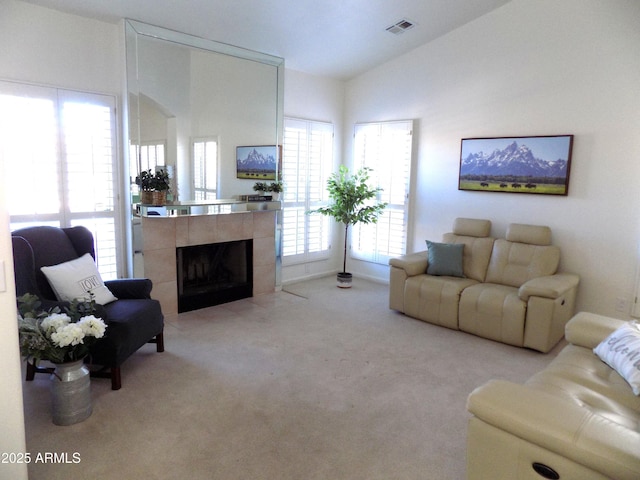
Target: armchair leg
column 116, row 381
column 160, row 342
column 31, row 371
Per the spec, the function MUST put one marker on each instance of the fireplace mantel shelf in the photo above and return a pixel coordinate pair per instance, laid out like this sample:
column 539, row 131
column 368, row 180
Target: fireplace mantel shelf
column 205, row 207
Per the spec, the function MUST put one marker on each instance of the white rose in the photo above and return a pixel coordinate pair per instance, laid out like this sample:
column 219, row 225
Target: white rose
column 54, row 322
column 71, row 334
column 92, row 326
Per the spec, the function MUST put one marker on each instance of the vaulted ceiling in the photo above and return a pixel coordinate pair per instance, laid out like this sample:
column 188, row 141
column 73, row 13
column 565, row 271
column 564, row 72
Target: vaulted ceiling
column 335, row 38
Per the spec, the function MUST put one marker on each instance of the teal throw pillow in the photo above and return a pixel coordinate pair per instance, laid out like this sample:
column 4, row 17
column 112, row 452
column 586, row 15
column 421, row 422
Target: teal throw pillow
column 445, row 259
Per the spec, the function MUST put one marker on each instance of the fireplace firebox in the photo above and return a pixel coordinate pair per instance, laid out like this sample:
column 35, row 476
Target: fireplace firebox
column 214, row 274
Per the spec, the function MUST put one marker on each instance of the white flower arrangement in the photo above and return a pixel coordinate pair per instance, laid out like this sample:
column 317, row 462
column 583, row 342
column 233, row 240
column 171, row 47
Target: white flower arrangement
column 56, row 336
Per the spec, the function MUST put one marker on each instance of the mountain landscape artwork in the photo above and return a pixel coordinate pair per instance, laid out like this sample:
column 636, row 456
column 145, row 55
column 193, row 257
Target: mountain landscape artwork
column 258, row 163
column 538, row 164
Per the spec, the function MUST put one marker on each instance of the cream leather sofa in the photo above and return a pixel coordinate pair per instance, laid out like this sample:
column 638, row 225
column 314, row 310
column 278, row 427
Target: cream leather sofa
column 576, row 420
column 510, row 290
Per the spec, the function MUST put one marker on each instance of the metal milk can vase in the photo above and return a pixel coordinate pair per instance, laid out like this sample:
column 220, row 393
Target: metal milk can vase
column 70, row 393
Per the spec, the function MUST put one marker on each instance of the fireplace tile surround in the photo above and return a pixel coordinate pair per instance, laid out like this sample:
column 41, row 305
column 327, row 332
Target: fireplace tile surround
column 161, row 236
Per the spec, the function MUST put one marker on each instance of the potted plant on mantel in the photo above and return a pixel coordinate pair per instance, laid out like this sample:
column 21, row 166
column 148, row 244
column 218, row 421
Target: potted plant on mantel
column 276, row 188
column 352, row 202
column 153, row 186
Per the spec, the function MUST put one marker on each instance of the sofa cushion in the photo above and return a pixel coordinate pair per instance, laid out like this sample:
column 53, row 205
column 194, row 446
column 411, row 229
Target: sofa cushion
column 472, row 227
column 493, row 311
column 621, row 351
column 445, row 259
column 435, row 299
column 577, row 374
column 514, row 263
column 477, row 252
column 531, row 234
column 78, row 278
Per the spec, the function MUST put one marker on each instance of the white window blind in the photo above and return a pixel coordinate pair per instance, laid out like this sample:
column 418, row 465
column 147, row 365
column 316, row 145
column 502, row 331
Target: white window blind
column 205, row 168
column 307, row 161
column 147, row 156
column 59, row 150
column 384, row 147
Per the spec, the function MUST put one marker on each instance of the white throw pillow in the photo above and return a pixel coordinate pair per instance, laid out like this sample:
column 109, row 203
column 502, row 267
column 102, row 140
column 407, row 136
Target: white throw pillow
column 76, row 278
column 621, row 351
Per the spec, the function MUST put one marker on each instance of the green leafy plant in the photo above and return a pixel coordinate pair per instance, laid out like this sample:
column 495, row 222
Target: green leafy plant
column 260, row 187
column 275, row 187
column 149, row 181
column 352, row 201
column 55, row 335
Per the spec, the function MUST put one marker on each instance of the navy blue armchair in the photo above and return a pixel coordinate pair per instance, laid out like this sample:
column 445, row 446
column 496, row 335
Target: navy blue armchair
column 132, row 321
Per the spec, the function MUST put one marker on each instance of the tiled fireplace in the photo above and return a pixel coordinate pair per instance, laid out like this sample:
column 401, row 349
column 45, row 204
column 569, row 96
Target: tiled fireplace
column 162, row 236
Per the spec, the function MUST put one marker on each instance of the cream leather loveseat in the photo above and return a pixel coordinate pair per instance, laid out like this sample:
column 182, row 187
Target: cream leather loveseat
column 577, row 419
column 506, row 290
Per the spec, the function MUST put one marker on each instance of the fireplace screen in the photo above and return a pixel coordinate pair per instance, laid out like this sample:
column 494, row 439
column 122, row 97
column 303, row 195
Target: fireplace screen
column 213, row 274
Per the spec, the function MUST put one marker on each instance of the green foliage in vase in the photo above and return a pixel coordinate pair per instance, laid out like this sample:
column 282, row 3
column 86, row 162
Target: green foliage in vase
column 55, row 335
column 149, row 181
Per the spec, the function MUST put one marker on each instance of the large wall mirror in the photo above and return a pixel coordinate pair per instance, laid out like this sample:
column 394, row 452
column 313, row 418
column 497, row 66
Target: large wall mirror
column 185, row 91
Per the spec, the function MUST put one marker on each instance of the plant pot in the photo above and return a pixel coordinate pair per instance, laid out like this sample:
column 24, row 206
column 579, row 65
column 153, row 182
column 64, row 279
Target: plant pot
column 153, row 197
column 70, row 393
column 344, row 280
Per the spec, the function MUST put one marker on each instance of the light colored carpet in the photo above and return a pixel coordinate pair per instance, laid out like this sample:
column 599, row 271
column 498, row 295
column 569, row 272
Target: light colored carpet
column 314, row 382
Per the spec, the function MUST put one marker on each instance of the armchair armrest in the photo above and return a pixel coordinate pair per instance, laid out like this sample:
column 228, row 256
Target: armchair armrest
column 560, row 425
column 549, row 286
column 130, row 288
column 589, row 329
column 412, row 263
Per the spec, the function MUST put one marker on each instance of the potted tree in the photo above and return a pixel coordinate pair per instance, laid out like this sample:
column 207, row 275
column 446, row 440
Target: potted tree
column 352, row 202
column 153, row 186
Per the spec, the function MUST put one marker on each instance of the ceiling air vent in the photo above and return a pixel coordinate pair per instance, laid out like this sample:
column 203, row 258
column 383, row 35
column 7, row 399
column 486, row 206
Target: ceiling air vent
column 400, row 27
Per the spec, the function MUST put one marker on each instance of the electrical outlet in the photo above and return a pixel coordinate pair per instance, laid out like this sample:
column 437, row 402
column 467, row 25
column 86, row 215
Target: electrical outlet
column 621, row 304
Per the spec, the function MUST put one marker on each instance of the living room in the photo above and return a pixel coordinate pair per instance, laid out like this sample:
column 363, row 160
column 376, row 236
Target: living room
column 526, row 68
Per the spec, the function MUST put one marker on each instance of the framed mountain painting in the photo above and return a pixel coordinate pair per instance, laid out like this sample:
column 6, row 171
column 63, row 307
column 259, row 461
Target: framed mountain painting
column 258, row 162
column 539, row 164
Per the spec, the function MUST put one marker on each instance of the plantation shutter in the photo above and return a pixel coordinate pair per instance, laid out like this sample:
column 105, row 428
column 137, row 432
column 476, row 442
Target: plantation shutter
column 205, row 169
column 307, row 159
column 59, row 147
column 385, row 148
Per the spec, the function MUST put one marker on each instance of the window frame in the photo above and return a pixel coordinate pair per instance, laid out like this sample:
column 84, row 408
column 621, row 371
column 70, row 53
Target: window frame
column 216, row 168
column 396, row 193
column 317, row 230
column 104, row 217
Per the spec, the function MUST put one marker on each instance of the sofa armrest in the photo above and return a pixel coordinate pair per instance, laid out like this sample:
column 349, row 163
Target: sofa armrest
column 412, row 263
column 130, row 288
column 568, row 428
column 588, row 329
column 549, row 286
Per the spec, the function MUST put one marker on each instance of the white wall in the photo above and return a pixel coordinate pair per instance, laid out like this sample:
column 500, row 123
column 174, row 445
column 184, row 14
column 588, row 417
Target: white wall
column 47, row 47
column 321, row 99
column 11, row 409
column 528, row 68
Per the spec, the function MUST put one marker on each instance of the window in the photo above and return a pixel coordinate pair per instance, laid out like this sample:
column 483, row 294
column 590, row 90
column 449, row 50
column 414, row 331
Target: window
column 386, row 148
column 307, row 162
column 205, row 168
column 59, row 150
column 149, row 156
